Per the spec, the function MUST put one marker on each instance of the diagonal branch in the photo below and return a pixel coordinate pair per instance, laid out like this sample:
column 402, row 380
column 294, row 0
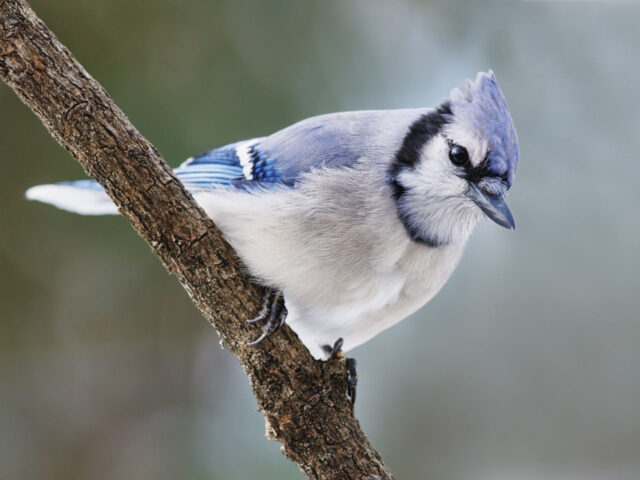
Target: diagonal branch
column 303, row 399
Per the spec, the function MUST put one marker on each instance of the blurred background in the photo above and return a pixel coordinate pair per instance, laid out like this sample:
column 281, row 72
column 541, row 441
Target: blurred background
column 525, row 366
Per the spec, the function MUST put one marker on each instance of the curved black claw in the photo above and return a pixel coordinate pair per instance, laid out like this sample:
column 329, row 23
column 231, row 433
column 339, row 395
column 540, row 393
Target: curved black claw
column 352, row 374
column 267, row 304
column 352, row 381
column 273, row 313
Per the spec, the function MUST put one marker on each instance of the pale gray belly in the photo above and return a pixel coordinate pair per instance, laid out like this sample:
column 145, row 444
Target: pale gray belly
column 358, row 313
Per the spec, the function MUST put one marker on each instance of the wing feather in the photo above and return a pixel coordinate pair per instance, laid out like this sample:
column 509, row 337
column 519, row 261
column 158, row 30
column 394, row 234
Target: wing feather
column 327, row 141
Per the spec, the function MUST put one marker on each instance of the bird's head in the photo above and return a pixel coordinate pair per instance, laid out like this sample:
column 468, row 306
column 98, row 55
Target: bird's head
column 456, row 165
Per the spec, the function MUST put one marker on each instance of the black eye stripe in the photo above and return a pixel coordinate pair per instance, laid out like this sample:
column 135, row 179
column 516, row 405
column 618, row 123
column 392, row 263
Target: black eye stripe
column 471, row 173
column 420, row 133
column 480, row 171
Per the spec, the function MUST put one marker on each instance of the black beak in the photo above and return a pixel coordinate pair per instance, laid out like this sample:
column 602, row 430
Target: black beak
column 495, row 208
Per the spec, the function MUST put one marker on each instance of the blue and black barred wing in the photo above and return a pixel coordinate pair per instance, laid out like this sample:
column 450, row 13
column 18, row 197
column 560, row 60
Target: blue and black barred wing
column 335, row 140
column 236, row 165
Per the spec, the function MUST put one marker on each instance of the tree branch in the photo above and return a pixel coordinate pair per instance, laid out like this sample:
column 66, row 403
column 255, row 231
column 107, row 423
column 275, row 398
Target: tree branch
column 303, row 400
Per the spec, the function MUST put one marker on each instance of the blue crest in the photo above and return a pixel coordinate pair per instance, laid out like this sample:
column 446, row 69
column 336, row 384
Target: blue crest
column 481, row 104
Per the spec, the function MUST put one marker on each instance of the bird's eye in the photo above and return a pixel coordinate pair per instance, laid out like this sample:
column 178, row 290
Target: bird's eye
column 458, row 155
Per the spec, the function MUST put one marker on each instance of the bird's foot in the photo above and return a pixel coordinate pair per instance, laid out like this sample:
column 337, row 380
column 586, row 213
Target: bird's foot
column 335, row 351
column 352, row 380
column 273, row 314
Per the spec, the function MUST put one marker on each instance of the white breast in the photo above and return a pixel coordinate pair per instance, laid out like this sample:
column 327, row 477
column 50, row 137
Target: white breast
column 358, row 314
column 338, row 251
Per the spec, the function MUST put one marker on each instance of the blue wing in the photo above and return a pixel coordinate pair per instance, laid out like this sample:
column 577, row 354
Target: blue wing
column 236, row 165
column 219, row 167
column 332, row 141
column 232, row 165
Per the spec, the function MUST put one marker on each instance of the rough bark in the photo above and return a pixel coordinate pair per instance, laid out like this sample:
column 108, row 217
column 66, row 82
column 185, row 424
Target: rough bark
column 303, row 400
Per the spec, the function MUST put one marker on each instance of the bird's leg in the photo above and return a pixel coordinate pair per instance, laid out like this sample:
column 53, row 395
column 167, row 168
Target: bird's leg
column 352, row 374
column 273, row 313
column 352, row 380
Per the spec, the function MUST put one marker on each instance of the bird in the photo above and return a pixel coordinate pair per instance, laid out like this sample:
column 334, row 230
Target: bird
column 352, row 220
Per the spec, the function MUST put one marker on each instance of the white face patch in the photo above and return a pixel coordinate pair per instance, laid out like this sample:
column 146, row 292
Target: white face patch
column 434, row 205
column 434, row 175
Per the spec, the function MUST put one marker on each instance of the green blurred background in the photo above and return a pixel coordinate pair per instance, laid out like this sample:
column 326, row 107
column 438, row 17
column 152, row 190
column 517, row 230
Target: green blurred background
column 525, row 366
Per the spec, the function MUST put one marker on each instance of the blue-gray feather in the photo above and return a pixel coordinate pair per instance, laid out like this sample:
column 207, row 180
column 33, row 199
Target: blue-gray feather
column 336, row 140
column 324, row 223
column 220, row 166
column 482, row 105
column 340, row 139
column 327, row 141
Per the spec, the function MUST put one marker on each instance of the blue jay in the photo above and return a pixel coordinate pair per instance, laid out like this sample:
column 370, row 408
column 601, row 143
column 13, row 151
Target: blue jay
column 357, row 219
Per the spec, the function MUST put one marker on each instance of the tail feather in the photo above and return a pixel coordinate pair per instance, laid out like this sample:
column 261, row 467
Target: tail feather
column 85, row 197
column 219, row 168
